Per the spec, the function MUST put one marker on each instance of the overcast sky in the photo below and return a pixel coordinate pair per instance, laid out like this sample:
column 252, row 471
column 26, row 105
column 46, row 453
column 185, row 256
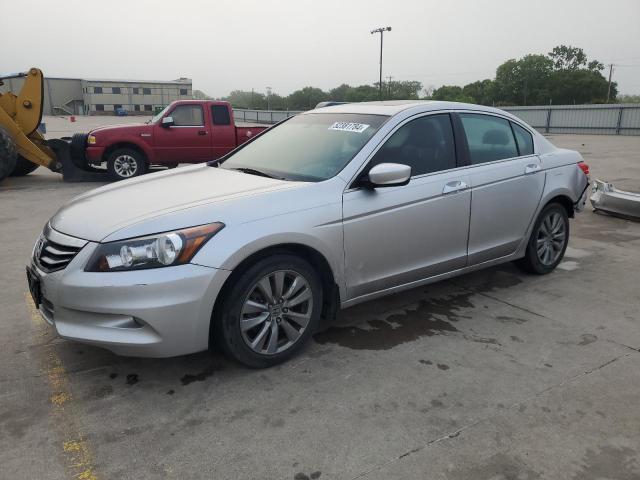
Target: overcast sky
column 287, row 44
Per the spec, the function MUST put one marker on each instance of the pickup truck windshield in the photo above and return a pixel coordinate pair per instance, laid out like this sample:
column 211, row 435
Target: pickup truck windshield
column 309, row 147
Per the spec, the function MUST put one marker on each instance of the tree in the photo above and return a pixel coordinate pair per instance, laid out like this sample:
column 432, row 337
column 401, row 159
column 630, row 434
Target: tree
column 306, row 98
column 451, row 93
column 524, row 81
column 568, row 58
column 483, row 92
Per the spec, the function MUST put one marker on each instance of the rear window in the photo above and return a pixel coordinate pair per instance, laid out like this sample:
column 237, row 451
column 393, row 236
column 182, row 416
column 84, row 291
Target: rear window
column 220, row 115
column 524, row 139
column 489, row 138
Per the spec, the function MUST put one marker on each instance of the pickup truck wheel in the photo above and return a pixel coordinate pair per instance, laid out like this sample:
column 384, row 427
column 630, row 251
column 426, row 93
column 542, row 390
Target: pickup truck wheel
column 270, row 311
column 8, row 154
column 548, row 241
column 23, row 167
column 126, row 163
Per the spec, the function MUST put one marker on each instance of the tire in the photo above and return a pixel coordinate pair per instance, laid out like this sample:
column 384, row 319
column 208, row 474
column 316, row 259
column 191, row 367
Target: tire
column 126, row 163
column 246, row 316
column 544, row 252
column 23, row 167
column 8, row 154
column 77, row 149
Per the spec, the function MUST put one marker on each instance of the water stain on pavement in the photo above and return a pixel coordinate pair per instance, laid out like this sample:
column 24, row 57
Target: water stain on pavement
column 398, row 328
column 617, row 463
column 498, row 466
column 428, row 317
column 201, row 376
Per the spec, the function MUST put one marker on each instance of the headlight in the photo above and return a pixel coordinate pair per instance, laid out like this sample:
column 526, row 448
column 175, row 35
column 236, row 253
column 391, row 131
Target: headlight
column 161, row 250
column 91, row 140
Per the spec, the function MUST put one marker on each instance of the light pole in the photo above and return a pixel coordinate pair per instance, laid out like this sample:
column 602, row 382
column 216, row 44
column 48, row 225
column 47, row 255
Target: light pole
column 268, row 98
column 381, row 30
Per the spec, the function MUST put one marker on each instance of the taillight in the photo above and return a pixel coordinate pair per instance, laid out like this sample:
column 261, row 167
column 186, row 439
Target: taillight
column 584, row 167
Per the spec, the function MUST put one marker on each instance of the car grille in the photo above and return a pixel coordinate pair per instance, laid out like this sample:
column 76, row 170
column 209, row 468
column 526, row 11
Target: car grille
column 54, row 250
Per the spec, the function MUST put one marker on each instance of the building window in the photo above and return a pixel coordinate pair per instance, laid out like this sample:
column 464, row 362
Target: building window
column 136, row 91
column 136, row 108
column 146, row 91
column 184, row 91
column 100, row 108
column 97, row 89
column 115, row 90
column 148, row 108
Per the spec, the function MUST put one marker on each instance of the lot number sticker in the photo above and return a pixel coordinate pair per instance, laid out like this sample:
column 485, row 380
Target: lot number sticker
column 349, row 127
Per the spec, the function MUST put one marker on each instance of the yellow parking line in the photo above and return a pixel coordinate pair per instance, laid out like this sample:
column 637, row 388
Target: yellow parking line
column 75, row 447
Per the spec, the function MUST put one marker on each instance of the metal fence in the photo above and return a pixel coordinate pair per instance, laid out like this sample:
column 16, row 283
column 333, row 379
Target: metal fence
column 612, row 119
column 608, row 119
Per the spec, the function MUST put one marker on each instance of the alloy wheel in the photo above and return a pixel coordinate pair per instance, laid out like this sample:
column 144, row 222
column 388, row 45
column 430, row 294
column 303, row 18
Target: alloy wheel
column 551, row 238
column 276, row 312
column 125, row 166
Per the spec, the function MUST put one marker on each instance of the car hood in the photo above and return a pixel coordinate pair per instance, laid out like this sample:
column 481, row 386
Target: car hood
column 161, row 201
column 126, row 128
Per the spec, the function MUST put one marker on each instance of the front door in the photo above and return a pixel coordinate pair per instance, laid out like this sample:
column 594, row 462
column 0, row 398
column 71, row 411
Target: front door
column 507, row 184
column 397, row 235
column 187, row 140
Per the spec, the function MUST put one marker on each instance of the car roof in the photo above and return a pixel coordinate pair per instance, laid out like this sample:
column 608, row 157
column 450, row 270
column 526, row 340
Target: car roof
column 393, row 107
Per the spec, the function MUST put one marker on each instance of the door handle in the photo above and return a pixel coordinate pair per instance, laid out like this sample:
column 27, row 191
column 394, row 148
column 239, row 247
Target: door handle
column 531, row 168
column 202, row 132
column 455, row 186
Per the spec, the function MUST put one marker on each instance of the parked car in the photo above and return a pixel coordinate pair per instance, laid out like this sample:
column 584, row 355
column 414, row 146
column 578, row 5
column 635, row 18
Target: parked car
column 186, row 131
column 327, row 209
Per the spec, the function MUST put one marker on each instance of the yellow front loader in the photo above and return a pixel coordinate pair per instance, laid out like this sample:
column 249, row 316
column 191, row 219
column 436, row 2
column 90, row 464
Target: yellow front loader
column 23, row 148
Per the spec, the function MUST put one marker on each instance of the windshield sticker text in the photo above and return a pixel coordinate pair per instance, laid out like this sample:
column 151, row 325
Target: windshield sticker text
column 349, row 127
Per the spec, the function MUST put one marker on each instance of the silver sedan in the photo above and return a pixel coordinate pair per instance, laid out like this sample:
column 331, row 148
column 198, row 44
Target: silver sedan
column 328, row 209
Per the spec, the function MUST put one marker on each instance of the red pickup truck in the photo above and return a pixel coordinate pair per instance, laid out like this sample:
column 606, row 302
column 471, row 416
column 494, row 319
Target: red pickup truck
column 186, row 131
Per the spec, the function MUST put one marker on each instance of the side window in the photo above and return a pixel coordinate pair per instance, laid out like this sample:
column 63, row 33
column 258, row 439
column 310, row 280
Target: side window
column 187, row 116
column 425, row 144
column 489, row 138
column 220, row 114
column 524, row 139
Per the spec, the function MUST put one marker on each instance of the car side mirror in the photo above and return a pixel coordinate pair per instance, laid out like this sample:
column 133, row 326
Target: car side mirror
column 167, row 122
column 388, row 175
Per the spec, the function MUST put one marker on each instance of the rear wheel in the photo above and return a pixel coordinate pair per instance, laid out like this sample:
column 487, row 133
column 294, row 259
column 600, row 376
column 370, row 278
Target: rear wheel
column 126, row 163
column 23, row 167
column 270, row 311
column 548, row 241
column 8, row 154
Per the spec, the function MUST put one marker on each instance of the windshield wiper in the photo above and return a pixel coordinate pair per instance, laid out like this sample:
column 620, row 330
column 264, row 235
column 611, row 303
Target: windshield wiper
column 253, row 171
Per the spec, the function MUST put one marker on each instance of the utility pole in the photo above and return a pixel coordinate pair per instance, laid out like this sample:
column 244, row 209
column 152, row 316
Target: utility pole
column 381, row 31
column 268, row 98
column 389, row 87
column 609, row 87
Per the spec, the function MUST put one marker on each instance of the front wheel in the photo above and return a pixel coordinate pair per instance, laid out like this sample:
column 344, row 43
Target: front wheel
column 270, row 311
column 548, row 241
column 126, row 163
column 8, row 154
column 23, row 167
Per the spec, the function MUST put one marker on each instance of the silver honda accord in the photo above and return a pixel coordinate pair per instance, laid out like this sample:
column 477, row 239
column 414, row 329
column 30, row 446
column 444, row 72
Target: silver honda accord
column 328, row 209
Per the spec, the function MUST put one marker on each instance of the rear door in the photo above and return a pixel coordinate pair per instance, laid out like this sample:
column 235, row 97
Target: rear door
column 187, row 140
column 506, row 184
column 397, row 235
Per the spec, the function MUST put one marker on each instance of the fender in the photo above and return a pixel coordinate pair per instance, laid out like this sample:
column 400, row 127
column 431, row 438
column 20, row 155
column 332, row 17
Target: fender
column 133, row 140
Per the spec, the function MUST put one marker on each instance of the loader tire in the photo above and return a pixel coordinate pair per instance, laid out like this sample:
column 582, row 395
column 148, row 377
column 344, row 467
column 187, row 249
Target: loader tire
column 8, row 154
column 23, row 167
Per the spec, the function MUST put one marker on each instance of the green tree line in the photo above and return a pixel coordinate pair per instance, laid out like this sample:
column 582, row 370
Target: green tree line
column 563, row 76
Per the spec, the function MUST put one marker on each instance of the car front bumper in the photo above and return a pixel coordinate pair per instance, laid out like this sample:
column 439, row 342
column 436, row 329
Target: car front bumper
column 159, row 312
column 94, row 154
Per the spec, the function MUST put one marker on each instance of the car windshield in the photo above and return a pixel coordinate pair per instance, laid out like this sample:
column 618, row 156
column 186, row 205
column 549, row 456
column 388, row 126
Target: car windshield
column 309, row 147
column 156, row 118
